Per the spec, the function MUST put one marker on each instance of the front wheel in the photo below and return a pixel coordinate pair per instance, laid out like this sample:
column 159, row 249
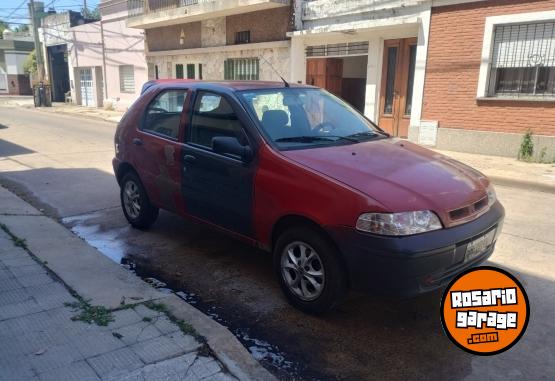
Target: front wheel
column 137, row 208
column 309, row 269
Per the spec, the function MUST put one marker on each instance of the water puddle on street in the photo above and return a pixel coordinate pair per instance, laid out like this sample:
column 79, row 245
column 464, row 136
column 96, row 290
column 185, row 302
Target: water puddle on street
column 109, row 243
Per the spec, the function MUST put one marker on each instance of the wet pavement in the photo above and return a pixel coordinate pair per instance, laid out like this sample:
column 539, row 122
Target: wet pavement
column 365, row 338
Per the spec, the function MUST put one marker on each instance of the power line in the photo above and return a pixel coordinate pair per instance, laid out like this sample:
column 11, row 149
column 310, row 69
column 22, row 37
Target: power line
column 18, row 8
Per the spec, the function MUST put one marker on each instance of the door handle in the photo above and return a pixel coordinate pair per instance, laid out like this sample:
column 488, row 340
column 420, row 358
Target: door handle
column 137, row 142
column 189, row 158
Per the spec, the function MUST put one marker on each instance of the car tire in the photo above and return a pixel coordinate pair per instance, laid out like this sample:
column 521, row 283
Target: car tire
column 333, row 284
column 136, row 205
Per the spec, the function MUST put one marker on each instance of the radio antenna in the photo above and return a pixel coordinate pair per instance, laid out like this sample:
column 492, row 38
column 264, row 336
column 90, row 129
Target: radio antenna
column 285, row 83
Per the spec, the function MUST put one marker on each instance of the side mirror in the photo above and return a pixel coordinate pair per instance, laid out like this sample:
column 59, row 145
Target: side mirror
column 227, row 145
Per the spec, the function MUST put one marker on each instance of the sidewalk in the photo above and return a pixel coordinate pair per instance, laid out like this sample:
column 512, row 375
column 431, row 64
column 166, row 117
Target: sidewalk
column 68, row 313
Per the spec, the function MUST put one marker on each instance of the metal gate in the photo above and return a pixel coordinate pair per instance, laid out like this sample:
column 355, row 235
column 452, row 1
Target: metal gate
column 86, row 79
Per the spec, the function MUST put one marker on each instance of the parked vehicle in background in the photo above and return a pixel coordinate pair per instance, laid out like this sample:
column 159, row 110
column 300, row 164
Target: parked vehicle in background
column 298, row 172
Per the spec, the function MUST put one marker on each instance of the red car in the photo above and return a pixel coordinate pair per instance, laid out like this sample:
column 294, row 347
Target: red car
column 299, row 173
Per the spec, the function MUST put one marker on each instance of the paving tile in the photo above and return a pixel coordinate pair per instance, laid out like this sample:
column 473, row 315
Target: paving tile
column 34, row 279
column 50, row 295
column 32, row 342
column 186, row 342
column 22, row 260
column 23, row 271
column 19, row 309
column 10, row 284
column 15, row 368
column 54, row 358
column 164, row 325
column 135, row 333
column 168, row 370
column 115, row 364
column 158, row 349
column 96, row 343
column 144, row 311
column 220, row 377
column 205, row 367
column 40, row 321
column 5, row 273
column 13, row 296
column 125, row 317
column 78, row 371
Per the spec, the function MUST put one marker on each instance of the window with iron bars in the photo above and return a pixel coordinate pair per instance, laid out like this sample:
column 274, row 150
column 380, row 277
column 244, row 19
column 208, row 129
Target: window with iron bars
column 243, row 37
column 242, row 69
column 523, row 61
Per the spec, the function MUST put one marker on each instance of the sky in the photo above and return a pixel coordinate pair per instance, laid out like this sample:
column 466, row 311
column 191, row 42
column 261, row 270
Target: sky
column 15, row 11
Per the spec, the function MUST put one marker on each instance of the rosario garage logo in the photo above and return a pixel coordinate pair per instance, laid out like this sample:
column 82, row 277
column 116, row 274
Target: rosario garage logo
column 485, row 311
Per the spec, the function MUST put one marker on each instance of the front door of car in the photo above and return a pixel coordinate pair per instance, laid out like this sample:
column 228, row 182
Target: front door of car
column 217, row 188
column 159, row 148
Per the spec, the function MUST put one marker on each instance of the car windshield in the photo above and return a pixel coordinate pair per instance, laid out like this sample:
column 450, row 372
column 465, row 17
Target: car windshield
column 306, row 117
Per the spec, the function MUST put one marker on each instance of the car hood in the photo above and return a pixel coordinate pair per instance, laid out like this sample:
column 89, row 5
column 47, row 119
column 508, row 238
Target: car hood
column 400, row 175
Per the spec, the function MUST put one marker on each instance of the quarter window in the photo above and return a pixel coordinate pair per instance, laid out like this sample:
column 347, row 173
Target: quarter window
column 163, row 115
column 213, row 117
column 523, row 60
column 126, row 79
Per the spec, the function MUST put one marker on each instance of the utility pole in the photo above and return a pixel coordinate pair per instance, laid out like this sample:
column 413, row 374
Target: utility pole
column 38, row 50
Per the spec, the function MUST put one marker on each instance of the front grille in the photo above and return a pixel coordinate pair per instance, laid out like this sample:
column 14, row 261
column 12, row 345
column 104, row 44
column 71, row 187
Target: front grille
column 469, row 212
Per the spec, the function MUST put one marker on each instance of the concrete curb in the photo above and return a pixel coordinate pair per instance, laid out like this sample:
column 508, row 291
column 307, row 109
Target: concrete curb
column 522, row 184
column 103, row 282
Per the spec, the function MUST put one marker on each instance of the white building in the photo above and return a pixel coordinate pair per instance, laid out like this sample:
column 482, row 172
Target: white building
column 371, row 53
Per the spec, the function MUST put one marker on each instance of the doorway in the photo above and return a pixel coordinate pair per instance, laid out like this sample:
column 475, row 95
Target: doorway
column 86, row 86
column 344, row 77
column 399, row 59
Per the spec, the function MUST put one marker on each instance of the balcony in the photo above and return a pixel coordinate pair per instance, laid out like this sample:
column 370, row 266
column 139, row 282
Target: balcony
column 317, row 13
column 146, row 14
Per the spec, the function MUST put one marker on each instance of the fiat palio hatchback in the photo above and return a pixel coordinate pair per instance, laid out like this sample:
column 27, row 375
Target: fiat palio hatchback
column 298, row 172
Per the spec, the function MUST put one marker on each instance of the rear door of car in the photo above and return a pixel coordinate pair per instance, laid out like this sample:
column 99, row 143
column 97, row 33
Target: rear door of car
column 218, row 188
column 158, row 144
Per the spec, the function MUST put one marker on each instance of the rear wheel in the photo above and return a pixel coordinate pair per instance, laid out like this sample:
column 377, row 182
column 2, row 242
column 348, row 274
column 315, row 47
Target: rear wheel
column 309, row 270
column 135, row 203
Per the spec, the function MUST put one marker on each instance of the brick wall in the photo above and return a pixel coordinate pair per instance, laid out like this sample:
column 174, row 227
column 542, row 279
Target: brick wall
column 167, row 37
column 268, row 25
column 455, row 48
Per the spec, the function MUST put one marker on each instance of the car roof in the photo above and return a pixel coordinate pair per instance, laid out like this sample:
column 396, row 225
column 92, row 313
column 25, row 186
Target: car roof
column 224, row 85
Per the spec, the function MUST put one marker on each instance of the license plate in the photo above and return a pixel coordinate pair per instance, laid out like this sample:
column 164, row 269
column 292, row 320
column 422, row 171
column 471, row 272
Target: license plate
column 479, row 245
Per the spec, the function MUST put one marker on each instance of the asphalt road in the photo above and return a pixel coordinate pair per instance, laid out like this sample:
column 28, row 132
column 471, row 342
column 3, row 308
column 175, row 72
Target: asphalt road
column 62, row 164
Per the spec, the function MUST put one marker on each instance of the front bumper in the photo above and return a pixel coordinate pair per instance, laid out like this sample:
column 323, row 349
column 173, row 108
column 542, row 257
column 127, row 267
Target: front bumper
column 407, row 266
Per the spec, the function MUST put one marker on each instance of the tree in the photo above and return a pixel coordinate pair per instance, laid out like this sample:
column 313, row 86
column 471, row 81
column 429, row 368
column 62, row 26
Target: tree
column 22, row 28
column 91, row 14
column 3, row 26
column 30, row 64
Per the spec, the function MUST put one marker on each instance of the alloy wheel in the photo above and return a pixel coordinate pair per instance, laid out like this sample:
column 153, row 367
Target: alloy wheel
column 302, row 270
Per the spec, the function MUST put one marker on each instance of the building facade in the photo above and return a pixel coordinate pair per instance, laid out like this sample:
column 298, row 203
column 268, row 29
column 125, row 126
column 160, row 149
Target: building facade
column 215, row 39
column 14, row 50
column 55, row 34
column 491, row 76
column 107, row 61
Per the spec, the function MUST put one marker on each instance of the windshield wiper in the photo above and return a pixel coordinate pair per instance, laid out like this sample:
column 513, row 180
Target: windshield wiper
column 365, row 134
column 310, row 139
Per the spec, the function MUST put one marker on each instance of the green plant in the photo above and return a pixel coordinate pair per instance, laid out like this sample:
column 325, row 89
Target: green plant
column 99, row 315
column 526, row 150
column 30, row 64
column 543, row 153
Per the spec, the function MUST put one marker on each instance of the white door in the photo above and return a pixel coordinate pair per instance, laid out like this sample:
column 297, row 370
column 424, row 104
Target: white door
column 87, row 97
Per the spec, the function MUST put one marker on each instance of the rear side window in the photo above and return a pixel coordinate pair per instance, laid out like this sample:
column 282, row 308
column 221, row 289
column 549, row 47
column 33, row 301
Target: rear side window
column 163, row 114
column 213, row 116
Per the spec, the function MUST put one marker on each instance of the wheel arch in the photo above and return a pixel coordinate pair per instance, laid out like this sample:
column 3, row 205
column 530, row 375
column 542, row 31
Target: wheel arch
column 123, row 169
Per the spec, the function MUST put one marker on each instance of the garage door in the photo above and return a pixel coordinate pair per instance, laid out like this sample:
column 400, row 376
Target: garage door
column 87, row 98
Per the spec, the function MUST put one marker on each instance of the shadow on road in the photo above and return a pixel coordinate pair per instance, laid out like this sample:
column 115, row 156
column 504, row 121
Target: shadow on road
column 11, row 149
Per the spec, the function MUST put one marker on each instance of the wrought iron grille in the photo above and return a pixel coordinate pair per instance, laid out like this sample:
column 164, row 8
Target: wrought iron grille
column 343, row 49
column 523, row 61
column 140, row 7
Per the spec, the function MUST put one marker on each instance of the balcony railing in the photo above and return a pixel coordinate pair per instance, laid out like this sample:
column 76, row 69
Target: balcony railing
column 144, row 7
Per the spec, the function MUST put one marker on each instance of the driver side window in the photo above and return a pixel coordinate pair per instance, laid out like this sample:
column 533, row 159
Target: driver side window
column 163, row 114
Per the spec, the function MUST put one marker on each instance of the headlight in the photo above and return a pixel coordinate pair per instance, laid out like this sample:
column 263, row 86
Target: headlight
column 397, row 224
column 492, row 197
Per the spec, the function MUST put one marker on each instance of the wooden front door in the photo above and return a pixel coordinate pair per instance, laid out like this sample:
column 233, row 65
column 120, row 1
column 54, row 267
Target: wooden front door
column 399, row 60
column 326, row 73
